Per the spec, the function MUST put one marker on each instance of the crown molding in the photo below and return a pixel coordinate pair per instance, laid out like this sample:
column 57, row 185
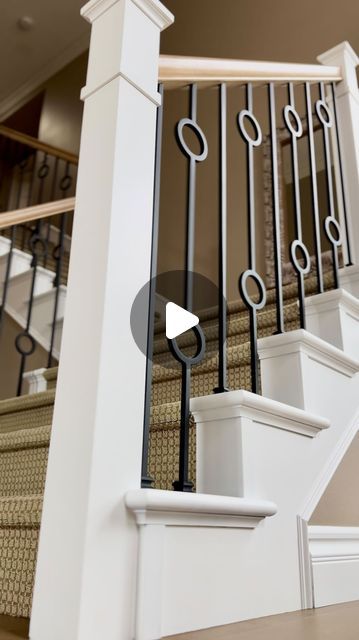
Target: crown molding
column 154, row 9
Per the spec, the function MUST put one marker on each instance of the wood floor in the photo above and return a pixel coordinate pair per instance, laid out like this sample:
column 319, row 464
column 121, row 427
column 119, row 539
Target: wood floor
column 13, row 628
column 339, row 622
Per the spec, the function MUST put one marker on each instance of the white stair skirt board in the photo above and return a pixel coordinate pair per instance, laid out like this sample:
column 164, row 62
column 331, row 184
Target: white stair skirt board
column 159, row 514
column 334, row 555
column 43, row 303
column 334, row 317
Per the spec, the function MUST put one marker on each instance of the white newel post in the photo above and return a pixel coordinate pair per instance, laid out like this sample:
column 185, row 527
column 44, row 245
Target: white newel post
column 347, row 99
column 86, row 571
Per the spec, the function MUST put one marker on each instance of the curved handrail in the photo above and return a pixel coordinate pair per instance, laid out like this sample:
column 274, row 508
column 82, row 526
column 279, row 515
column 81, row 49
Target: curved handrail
column 178, row 71
column 34, row 143
column 37, row 212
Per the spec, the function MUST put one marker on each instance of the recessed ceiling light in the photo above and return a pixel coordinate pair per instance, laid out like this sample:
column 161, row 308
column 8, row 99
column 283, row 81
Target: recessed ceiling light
column 25, row 23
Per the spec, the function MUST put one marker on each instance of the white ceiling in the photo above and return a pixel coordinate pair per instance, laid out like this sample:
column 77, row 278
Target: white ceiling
column 28, row 58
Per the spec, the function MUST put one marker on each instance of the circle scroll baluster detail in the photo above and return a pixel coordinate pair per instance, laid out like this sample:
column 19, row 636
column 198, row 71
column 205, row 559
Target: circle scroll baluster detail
column 306, row 266
column 323, row 113
column 243, row 288
column 246, row 114
column 288, row 111
column 181, row 357
column 332, row 222
column 187, row 122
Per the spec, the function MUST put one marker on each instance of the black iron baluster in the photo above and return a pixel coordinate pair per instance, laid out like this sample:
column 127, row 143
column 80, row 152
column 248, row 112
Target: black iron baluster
column 24, row 342
column 251, row 273
column 146, row 480
column 298, row 244
column 13, row 232
column 183, row 483
column 330, row 223
column 58, row 255
column 340, row 161
column 276, row 209
column 314, row 185
column 222, row 244
column 52, row 197
column 25, row 228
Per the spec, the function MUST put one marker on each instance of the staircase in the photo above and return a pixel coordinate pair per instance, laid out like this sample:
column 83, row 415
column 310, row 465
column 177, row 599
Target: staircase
column 25, row 426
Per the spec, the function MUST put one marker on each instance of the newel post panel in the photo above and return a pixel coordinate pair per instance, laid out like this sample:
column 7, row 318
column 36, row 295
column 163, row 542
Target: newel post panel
column 86, row 572
column 347, row 101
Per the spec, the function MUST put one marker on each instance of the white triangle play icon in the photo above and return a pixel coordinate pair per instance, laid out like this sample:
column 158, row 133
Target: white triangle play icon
column 178, row 320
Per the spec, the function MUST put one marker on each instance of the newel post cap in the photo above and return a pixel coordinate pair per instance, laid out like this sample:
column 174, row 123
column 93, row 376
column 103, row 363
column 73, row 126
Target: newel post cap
column 155, row 10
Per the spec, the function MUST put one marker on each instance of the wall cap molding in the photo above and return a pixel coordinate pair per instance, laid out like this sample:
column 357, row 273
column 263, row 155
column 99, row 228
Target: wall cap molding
column 244, row 404
column 152, row 506
column 305, row 343
column 153, row 9
column 333, row 544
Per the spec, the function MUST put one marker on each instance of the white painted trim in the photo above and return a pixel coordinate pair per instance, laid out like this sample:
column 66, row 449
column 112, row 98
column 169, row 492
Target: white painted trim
column 305, row 565
column 152, row 506
column 335, row 564
column 330, row 300
column 17, row 98
column 153, row 9
column 316, row 349
column 35, row 380
column 244, row 404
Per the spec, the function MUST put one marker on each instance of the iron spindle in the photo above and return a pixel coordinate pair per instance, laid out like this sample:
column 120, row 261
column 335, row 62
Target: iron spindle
column 296, row 132
column 183, row 483
column 330, row 221
column 13, row 232
column 251, row 273
column 52, row 197
column 276, row 209
column 314, row 188
column 58, row 254
column 24, row 338
column 340, row 162
column 146, row 480
column 222, row 244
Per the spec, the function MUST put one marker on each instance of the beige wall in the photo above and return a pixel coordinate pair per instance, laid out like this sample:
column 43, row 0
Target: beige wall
column 61, row 117
column 339, row 505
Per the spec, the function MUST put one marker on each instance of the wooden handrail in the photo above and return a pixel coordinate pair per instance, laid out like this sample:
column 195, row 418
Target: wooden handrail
column 37, row 212
column 178, row 71
column 34, row 143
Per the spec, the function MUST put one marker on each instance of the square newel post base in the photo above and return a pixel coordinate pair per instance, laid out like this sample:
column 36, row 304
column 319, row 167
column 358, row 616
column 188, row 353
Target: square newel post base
column 334, row 317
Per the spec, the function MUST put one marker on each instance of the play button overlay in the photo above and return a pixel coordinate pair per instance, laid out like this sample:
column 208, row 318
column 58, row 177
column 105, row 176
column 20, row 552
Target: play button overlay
column 172, row 322
column 178, row 320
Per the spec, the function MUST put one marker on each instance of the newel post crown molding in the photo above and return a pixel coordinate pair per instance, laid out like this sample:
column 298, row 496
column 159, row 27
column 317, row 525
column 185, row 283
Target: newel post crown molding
column 125, row 43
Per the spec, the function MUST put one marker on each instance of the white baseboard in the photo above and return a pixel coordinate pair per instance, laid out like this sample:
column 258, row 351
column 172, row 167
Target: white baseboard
column 335, row 564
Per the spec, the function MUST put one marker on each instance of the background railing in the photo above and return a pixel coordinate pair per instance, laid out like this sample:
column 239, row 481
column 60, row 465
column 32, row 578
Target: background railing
column 41, row 263
column 258, row 105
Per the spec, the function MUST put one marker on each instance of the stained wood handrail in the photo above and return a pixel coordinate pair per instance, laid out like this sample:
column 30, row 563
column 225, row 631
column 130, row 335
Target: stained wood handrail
column 34, row 143
column 177, row 71
column 37, row 212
